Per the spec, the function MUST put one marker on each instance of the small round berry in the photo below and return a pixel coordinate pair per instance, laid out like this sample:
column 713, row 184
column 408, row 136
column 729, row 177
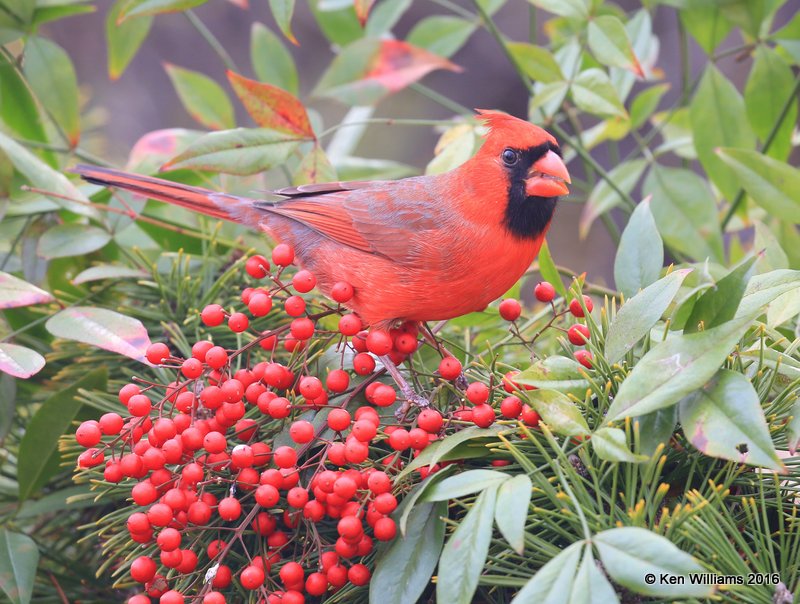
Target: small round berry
column 257, row 267
column 510, row 309
column 88, row 433
column 260, row 304
column 430, row 420
column 143, row 569
column 238, row 322
column 214, row 597
column 168, row 539
column 338, row 380
column 339, row 419
column 157, row 353
column 363, row 363
column 310, row 387
column 284, row 457
column 450, row 368
column 304, row 281
column 578, row 334
column 192, row 368
column 384, row 395
column 385, row 529
column 584, row 357
column 342, row 292
column 385, row 503
column 110, row 424
column 379, row 343
column 349, row 325
column 216, row 357
column 200, row 348
column 139, row 405
column 483, row 415
column 212, row 315
column 399, row 440
column 294, row 306
column 544, row 292
column 364, row 430
column 358, row 574
column 301, row 431
column 229, row 508
column 576, row 309
column 477, row 393
column 530, row 416
column 252, row 577
column 511, row 407
column 316, row 584
column 283, row 254
column 379, row 482
column 291, row 573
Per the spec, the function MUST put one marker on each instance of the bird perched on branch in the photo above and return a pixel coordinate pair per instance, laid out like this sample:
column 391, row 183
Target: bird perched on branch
column 419, row 249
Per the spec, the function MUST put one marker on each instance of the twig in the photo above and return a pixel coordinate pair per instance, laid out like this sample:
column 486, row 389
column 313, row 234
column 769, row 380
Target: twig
column 209, row 37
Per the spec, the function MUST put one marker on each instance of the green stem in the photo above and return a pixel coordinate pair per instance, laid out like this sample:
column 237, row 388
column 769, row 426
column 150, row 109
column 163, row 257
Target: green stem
column 790, row 100
column 442, row 100
column 212, row 40
column 77, row 151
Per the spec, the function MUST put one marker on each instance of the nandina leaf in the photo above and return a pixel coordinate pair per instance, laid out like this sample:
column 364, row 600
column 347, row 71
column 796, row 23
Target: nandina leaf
column 555, row 373
column 611, row 444
column 283, row 10
column 552, row 582
column 270, row 59
column 718, row 304
column 71, row 239
column 153, row 149
column 604, row 197
column 640, row 254
column 272, row 107
column 202, row 97
column 465, row 483
column 19, row 558
column 19, row 361
column 108, row 271
column 610, row 44
column 511, row 512
column 314, row 167
column 362, row 8
column 367, row 70
column 103, row 328
column 16, row 292
column 123, row 39
column 558, row 412
column 141, row 8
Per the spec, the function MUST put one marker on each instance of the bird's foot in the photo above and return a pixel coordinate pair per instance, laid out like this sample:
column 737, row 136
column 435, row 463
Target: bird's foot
column 461, row 381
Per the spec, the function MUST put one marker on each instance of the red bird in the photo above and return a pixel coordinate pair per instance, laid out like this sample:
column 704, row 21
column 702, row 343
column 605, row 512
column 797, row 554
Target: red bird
column 418, row 249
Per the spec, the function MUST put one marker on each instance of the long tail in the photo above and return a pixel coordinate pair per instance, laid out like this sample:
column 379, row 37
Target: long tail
column 198, row 199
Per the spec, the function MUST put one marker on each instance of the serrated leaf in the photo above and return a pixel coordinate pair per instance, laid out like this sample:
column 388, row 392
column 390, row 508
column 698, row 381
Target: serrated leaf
column 282, row 11
column 71, row 239
column 242, row 151
column 549, row 271
column 773, row 184
column 404, row 570
column 272, row 107
column 685, row 212
column 558, row 412
column 443, row 35
column 718, row 303
column 438, row 449
column 718, row 119
column 604, row 197
column 464, row 554
column 19, row 361
column 367, row 70
column 551, row 583
column 50, row 74
column 630, row 553
column 640, row 254
column 15, row 292
column 271, row 62
column 202, row 97
column 465, row 483
column 769, row 87
column 108, row 271
column 103, row 328
column 593, row 92
column 143, row 8
column 555, row 373
column 610, row 44
column 19, row 559
column 511, row 511
column 123, row 39
column 38, row 450
column 610, row 444
column 537, row 62
column 674, row 368
column 725, row 414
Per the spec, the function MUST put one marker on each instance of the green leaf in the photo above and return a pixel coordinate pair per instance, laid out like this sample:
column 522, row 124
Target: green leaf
column 314, row 167
column 465, row 483
column 765, row 288
column 574, row 9
column 19, row 559
column 646, row 103
column 656, row 428
column 19, row 361
column 793, row 429
column 750, row 15
column 17, row 13
column 464, row 554
column 103, row 328
column 706, row 23
column 558, row 412
column 15, row 292
column 271, row 62
column 202, row 97
column 46, row 14
column 108, row 271
column 18, row 110
column 340, row 25
column 718, row 119
column 404, row 570
column 8, row 403
column 511, row 512
column 71, row 239
column 590, row 585
column 610, row 44
column 38, row 450
column 630, row 553
column 674, row 368
column 443, row 35
column 773, row 184
column 769, row 88
column 685, row 212
column 50, row 74
column 123, row 39
column 593, row 92
column 640, row 255
column 242, row 151
column 384, row 17
column 282, row 11
column 408, row 504
column 604, row 198
column 143, row 8
column 551, row 584
column 718, row 304
column 610, row 444
column 555, row 373
column 537, row 62
column 788, row 37
column 725, row 414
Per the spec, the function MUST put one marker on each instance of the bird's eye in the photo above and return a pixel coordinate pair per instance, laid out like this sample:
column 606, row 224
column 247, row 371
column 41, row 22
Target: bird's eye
column 510, row 157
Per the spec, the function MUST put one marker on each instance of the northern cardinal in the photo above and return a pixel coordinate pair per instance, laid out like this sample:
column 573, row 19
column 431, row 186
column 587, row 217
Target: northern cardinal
column 418, row 249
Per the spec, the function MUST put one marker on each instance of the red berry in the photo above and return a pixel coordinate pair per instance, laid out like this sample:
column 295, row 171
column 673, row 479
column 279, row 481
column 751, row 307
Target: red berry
column 143, row 569
column 379, row 343
column 267, row 495
column 294, row 306
column 450, row 368
column 89, row 433
column 214, row 597
column 363, row 363
column 530, row 416
column 430, row 420
column 138, row 599
column 157, row 353
column 144, row 493
column 238, row 322
column 168, row 539
column 200, row 348
column 349, row 325
column 511, row 407
column 584, row 357
column 297, row 497
column 301, row 431
column 339, row 420
column 358, row 574
column 229, row 509
column 310, row 387
column 379, row 482
column 291, row 573
column 510, row 309
column 338, row 380
column 302, row 328
column 384, row 395
column 578, row 334
column 342, row 292
column 304, row 281
column 216, row 357
column 544, row 292
column 385, row 529
column 285, row 457
column 260, row 304
column 283, row 254
column 385, row 503
column 399, row 440
column 477, row 393
column 576, row 309
column 279, row 407
column 139, row 405
column 212, row 315
column 257, row 266
column 483, row 415
column 252, row 577
column 316, row 584
column 192, row 368
column 110, row 424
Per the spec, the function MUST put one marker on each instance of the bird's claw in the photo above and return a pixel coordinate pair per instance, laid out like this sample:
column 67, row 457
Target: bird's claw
column 461, row 381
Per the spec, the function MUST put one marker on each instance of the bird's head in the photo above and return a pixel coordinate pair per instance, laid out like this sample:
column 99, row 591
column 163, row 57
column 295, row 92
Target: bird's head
column 529, row 160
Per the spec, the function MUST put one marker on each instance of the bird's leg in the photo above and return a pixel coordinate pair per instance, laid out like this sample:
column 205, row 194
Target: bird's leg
column 429, row 335
column 409, row 394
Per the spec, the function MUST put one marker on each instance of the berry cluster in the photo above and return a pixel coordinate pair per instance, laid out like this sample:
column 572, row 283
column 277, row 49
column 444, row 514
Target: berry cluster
column 260, row 468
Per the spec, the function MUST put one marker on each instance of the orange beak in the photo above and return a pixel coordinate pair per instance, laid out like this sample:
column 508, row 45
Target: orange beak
column 548, row 177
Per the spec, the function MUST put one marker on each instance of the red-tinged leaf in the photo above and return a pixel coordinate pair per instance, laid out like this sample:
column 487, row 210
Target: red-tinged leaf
column 315, row 167
column 103, row 328
column 368, row 69
column 142, row 8
column 272, row 107
column 19, row 361
column 283, row 10
column 362, row 10
column 158, row 146
column 15, row 292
